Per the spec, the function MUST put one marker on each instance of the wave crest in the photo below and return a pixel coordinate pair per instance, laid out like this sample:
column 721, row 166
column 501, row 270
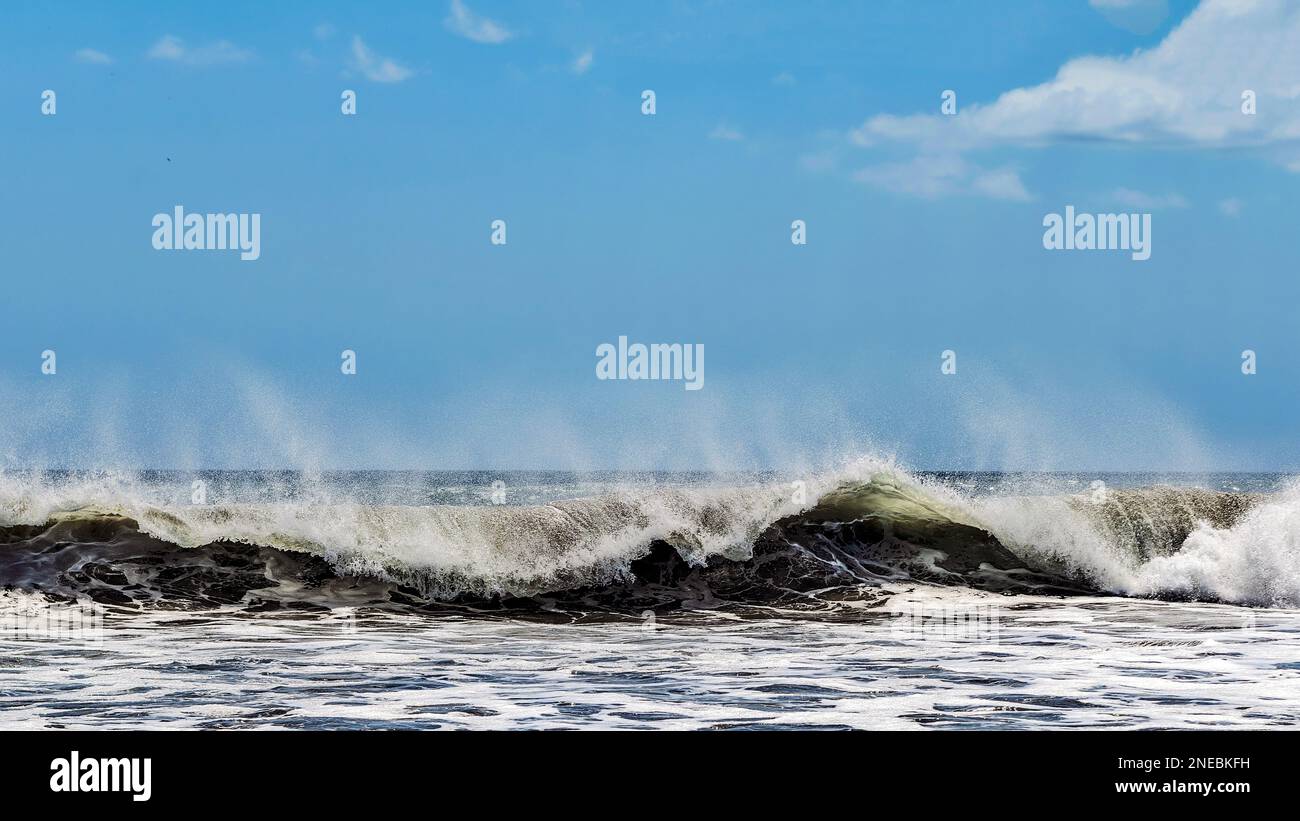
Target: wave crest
column 842, row 537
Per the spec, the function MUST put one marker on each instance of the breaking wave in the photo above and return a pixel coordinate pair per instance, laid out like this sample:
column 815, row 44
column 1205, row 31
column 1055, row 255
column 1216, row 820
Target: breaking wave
column 840, row 541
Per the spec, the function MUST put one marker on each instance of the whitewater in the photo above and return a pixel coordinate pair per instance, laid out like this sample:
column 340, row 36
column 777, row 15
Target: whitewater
column 863, row 595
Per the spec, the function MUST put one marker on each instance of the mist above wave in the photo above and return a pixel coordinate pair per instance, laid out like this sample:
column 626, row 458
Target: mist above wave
column 838, row 535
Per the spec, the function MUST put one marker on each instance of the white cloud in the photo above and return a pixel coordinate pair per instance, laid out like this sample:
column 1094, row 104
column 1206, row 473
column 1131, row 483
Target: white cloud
column 785, row 78
column 1186, row 91
column 931, row 177
column 323, row 31
column 1137, row 16
column 460, row 20
column 374, row 67
column 1147, row 202
column 90, row 55
column 1231, row 207
column 726, row 133
column 583, row 62
column 1001, row 184
column 167, row 48
column 172, row 48
column 926, row 177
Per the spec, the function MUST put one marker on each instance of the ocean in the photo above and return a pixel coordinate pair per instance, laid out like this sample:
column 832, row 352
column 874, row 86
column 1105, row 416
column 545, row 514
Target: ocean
column 863, row 596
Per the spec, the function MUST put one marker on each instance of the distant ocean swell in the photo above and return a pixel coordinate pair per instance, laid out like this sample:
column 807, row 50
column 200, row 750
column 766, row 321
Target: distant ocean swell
column 840, row 545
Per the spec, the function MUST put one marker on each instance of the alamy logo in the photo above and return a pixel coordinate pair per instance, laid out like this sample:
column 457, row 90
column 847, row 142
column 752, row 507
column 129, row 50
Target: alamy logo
column 657, row 361
column 75, row 774
column 1102, row 232
column 179, row 231
column 927, row 621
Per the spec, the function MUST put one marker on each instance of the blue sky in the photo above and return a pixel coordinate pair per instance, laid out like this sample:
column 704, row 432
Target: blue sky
column 924, row 233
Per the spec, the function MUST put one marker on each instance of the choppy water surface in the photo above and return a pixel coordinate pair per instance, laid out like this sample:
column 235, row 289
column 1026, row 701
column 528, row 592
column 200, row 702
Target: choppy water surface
column 951, row 659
